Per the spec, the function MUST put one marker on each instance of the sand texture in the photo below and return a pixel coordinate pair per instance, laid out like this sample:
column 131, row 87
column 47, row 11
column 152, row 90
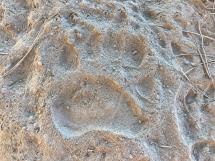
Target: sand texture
column 107, row 80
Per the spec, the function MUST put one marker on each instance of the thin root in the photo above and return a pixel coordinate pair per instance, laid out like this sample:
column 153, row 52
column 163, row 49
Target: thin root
column 204, row 52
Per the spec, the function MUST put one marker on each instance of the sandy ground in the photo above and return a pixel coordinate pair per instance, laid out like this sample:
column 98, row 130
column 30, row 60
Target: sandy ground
column 107, row 80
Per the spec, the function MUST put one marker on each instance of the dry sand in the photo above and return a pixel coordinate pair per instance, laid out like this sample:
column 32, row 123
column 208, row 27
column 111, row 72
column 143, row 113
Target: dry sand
column 107, row 80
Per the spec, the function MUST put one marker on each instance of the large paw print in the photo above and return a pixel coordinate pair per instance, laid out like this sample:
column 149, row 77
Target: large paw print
column 94, row 103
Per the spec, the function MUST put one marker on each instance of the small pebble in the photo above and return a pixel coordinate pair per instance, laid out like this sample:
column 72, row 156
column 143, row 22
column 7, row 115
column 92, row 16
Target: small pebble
column 194, row 64
column 31, row 117
column 39, row 63
column 35, row 125
column 24, row 128
column 134, row 52
column 130, row 156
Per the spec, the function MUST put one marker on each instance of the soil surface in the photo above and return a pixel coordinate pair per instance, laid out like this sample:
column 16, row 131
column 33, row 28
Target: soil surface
column 107, row 80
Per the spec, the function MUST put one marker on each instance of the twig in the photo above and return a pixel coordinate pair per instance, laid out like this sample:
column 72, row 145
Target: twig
column 212, row 56
column 213, row 9
column 203, row 61
column 3, row 53
column 162, row 145
column 188, row 71
column 191, row 84
column 30, row 48
column 185, row 75
column 210, row 8
column 205, row 36
column 214, row 6
column 204, row 52
column 212, row 61
column 165, row 146
column 23, row 58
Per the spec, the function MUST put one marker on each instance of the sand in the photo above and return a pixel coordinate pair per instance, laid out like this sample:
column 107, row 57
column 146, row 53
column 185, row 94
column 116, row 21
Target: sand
column 107, row 80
